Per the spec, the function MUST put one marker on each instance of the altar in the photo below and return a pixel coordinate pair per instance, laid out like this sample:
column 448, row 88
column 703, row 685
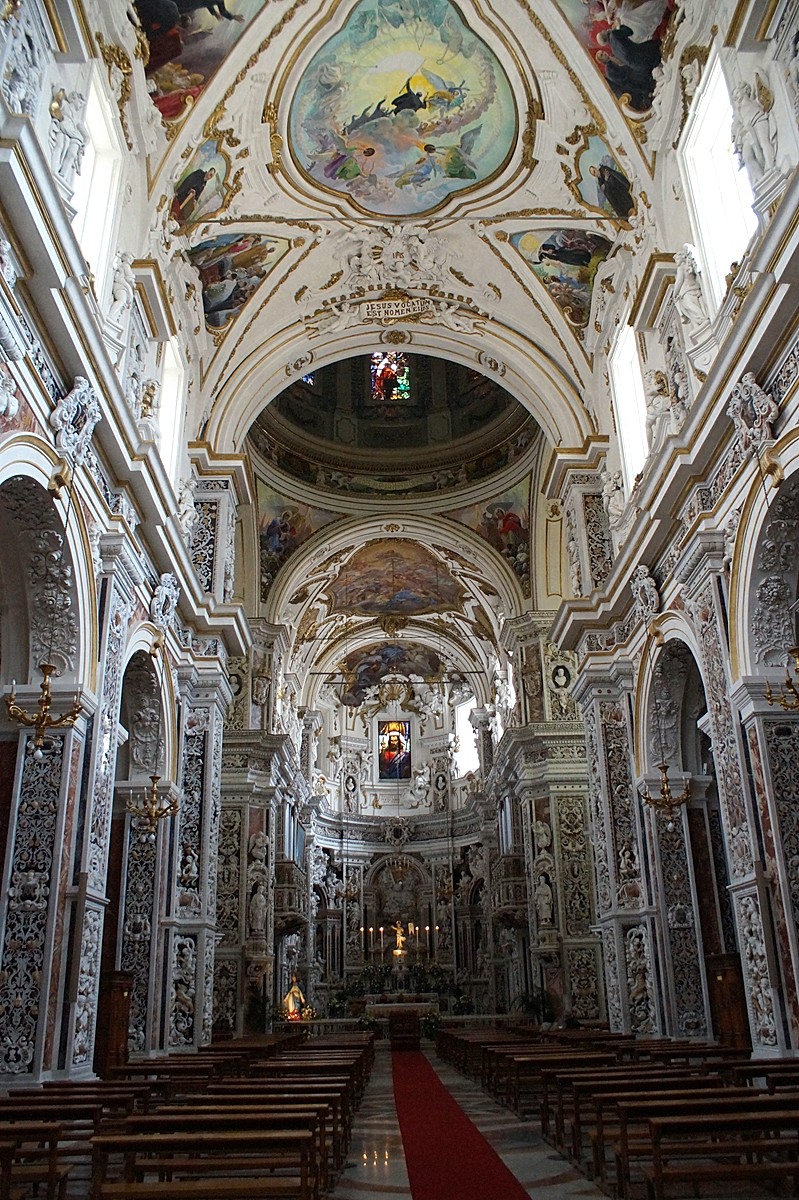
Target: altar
column 388, row 1004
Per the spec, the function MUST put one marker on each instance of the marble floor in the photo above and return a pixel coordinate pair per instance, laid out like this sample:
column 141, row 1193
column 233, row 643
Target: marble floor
column 376, row 1164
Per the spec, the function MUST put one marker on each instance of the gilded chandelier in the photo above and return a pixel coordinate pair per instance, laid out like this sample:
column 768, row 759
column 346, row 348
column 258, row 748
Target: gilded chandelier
column 42, row 720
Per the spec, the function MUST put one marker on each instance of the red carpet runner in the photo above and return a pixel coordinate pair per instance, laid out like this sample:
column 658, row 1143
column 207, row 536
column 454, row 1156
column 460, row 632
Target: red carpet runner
column 447, row 1157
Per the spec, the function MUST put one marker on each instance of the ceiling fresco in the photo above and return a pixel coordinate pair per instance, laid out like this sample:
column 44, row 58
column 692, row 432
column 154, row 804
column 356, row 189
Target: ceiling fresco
column 188, row 41
column 504, row 524
column 322, row 431
column 394, row 577
column 601, row 182
column 204, row 189
column 283, row 526
column 232, row 267
column 401, row 108
column 625, row 40
column 364, row 668
column 566, row 261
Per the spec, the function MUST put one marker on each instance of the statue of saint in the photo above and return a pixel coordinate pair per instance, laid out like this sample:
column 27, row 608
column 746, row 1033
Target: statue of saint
column 294, row 1000
column 401, row 936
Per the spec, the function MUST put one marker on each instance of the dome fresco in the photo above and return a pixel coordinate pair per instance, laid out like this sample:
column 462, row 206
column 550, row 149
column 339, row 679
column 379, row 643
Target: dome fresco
column 451, row 427
column 401, row 108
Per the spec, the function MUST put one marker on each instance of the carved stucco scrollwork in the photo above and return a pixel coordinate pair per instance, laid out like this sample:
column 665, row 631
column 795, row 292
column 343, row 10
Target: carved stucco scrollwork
column 612, row 980
column 681, row 930
column 215, row 800
column 624, row 833
column 24, row 61
column 573, row 552
column 119, row 620
column 184, row 990
column 190, row 827
column 74, row 419
column 353, row 945
column 583, row 977
column 597, row 811
column 53, row 623
column 598, row 538
column 640, row 998
column 86, row 998
column 163, row 606
column 775, row 579
column 782, row 743
column 753, row 949
column 203, row 541
column 207, row 1028
column 726, row 753
column 753, row 412
column 101, row 808
column 25, row 938
column 229, row 876
column 226, row 992
column 137, row 926
column 575, row 865
column 718, row 851
column 645, row 594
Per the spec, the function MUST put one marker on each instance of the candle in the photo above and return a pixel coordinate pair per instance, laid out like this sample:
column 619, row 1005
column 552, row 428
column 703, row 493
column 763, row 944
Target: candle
column 381, row 939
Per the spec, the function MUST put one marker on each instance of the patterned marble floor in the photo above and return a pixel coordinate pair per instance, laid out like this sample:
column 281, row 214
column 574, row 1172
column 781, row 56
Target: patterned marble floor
column 376, row 1165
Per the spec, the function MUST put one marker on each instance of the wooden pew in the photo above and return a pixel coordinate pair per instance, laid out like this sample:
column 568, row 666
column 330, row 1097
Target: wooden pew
column 727, row 1142
column 283, row 1160
column 574, row 1089
column 286, row 1092
column 524, row 1073
column 284, row 1114
column 634, row 1142
column 605, row 1127
column 113, row 1098
column 32, row 1159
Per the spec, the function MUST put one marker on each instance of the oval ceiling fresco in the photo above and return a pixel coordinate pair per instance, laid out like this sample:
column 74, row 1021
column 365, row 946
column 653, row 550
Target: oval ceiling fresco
column 401, row 108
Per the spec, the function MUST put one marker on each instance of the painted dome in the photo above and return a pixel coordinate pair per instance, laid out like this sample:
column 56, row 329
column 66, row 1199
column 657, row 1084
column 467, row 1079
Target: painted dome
column 398, row 114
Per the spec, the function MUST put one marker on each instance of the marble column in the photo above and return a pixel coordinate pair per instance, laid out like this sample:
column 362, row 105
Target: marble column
column 625, row 915
column 701, row 569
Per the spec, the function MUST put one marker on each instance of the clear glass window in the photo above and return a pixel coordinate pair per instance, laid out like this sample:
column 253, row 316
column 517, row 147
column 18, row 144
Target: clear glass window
column 94, row 195
column 629, row 403
column 717, row 186
column 466, row 759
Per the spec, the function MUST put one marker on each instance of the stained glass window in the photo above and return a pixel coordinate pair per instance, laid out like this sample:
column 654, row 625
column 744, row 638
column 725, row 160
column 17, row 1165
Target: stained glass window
column 391, row 378
column 394, row 750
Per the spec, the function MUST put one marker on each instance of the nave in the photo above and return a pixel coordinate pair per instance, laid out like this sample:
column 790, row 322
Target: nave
column 377, row 1164
column 486, row 1112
